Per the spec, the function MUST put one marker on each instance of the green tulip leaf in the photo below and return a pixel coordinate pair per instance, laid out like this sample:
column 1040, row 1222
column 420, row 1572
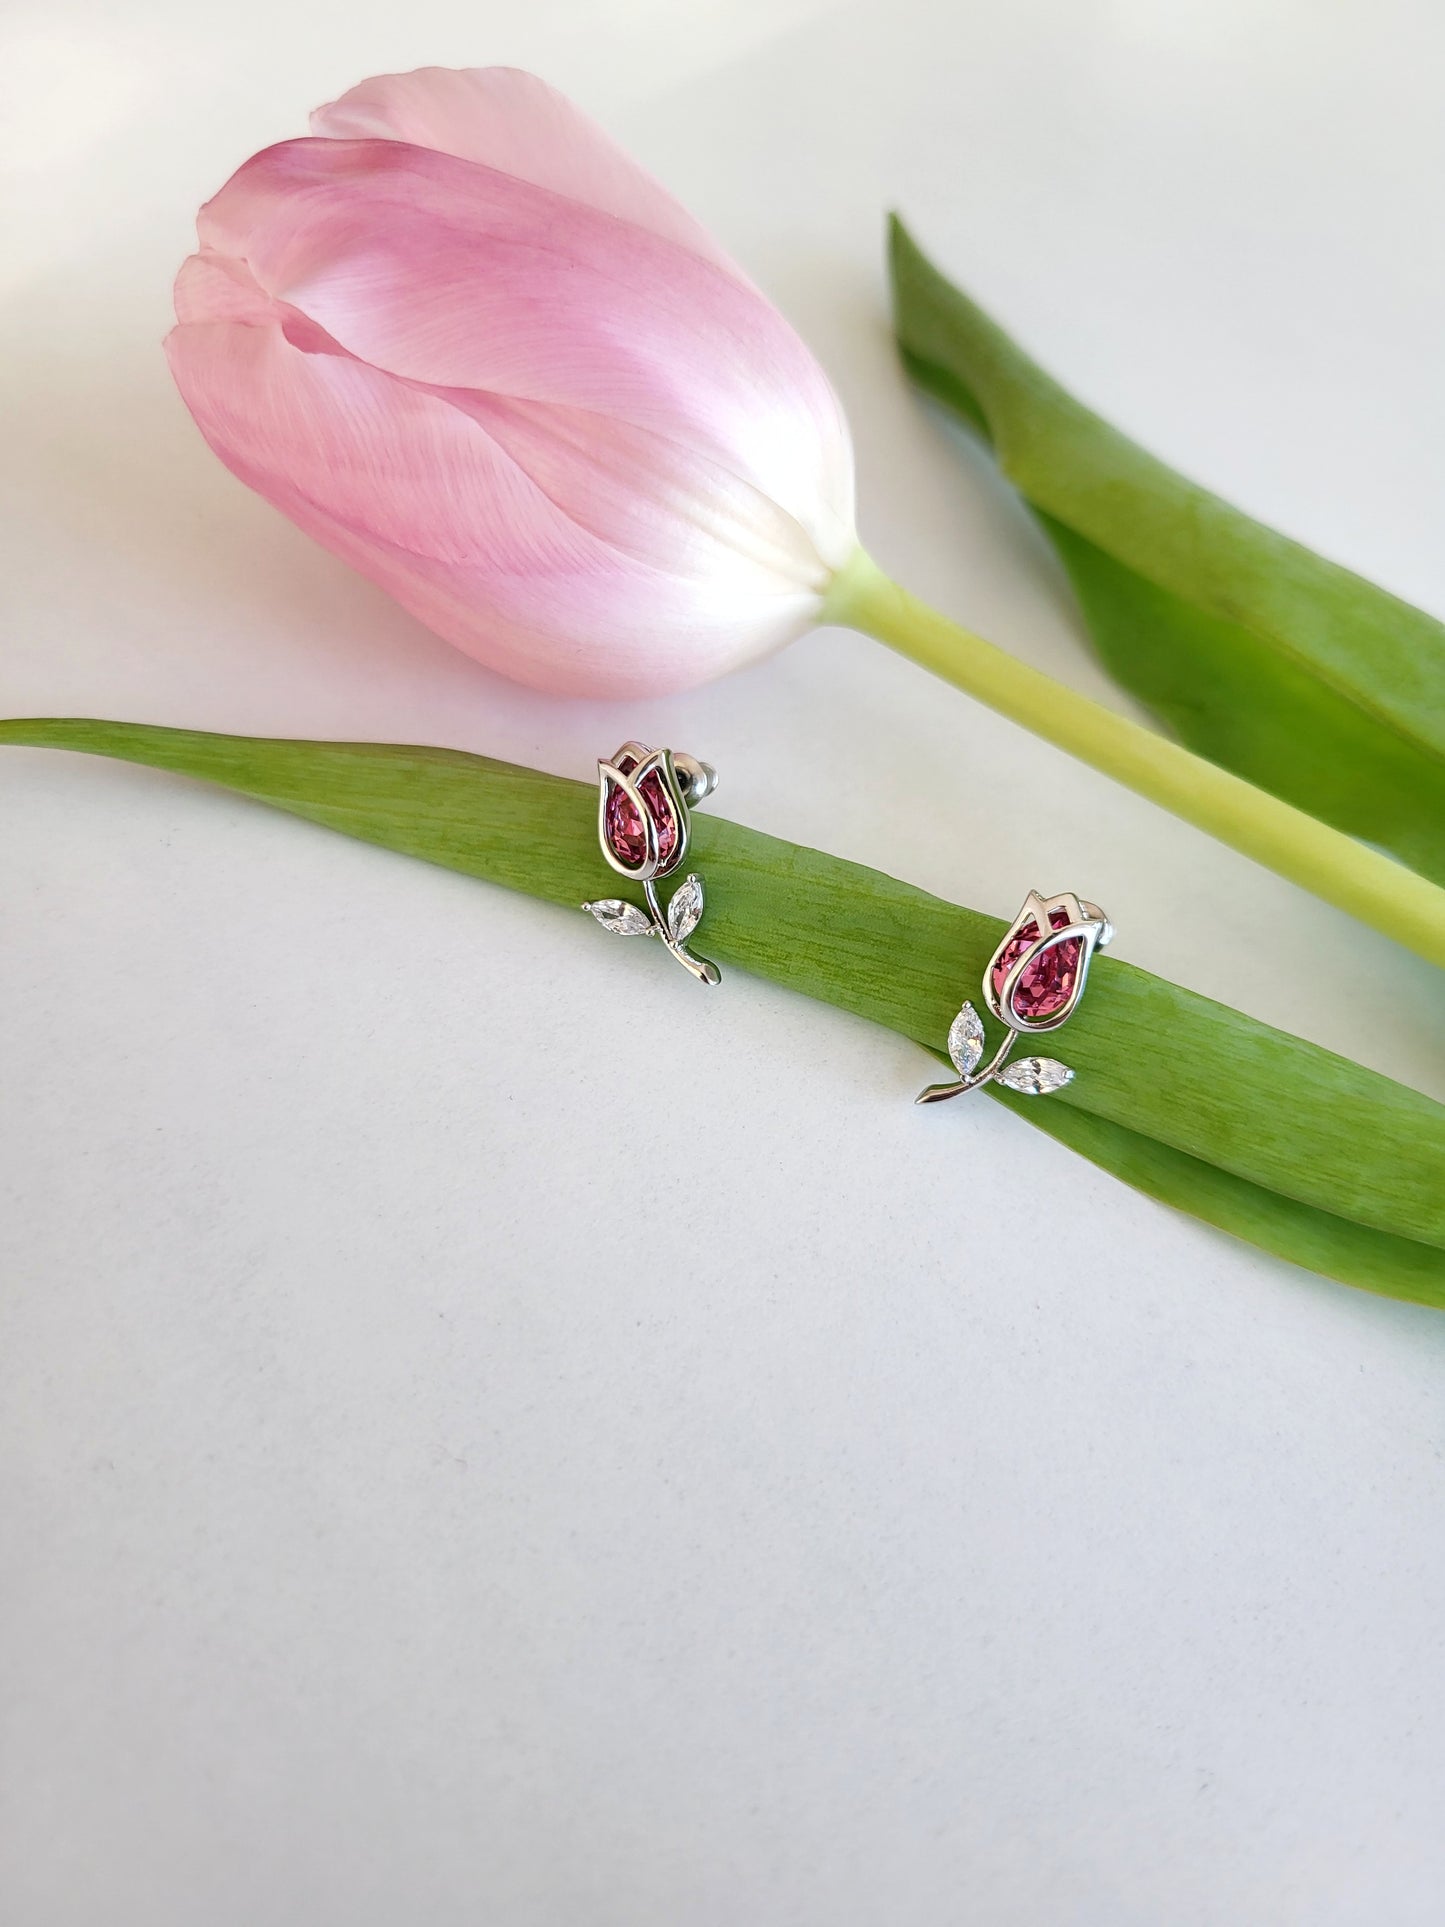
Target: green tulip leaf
column 1177, row 1095
column 1273, row 662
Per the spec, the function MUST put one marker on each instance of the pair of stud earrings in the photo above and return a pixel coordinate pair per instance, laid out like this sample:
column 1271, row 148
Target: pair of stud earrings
column 1033, row 982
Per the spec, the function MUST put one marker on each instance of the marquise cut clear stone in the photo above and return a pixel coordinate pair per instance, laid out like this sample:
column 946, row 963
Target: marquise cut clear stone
column 1036, row 1076
column 622, row 919
column 685, row 911
column 965, row 1041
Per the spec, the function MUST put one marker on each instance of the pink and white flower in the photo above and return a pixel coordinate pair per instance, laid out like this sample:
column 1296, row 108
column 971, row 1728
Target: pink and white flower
column 463, row 340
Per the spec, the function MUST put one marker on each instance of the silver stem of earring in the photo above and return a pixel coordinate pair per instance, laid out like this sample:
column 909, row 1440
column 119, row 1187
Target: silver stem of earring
column 936, row 1093
column 705, row 972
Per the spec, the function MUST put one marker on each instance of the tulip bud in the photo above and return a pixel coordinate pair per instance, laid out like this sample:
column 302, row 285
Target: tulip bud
column 464, row 341
column 642, row 813
column 1038, row 972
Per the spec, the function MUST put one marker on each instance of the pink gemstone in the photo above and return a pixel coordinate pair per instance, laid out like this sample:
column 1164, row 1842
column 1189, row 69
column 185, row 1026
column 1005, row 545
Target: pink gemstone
column 626, row 832
column 1046, row 984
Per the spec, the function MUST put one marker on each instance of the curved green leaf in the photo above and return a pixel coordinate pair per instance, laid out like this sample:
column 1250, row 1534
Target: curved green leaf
column 1283, row 667
column 1178, row 1095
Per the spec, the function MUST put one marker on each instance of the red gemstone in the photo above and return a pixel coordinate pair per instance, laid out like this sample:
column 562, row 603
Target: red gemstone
column 626, row 831
column 1047, row 984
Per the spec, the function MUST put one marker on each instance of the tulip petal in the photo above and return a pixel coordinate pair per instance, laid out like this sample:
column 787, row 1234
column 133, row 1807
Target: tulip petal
column 516, row 123
column 454, row 275
column 216, row 287
column 375, row 452
column 649, row 497
column 418, row 497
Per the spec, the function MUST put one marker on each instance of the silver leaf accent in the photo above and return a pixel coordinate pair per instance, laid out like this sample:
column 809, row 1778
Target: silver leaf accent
column 1036, row 1076
column 622, row 919
column 684, row 913
column 965, row 1041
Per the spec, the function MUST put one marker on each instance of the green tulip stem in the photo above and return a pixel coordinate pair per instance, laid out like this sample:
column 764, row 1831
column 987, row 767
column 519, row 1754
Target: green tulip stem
column 1348, row 874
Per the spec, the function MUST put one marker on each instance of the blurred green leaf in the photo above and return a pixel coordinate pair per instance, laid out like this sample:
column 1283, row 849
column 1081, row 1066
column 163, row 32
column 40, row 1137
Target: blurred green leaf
column 1304, row 1153
column 1283, row 667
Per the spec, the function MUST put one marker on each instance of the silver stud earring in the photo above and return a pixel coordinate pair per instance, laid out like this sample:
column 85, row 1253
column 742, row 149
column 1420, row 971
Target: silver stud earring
column 645, row 797
column 1033, row 983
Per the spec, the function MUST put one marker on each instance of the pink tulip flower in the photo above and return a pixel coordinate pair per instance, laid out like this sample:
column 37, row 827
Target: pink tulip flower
column 464, row 341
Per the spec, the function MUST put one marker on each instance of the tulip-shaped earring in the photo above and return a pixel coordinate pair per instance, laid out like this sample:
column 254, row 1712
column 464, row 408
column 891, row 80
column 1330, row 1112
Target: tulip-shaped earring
column 1033, row 982
column 645, row 796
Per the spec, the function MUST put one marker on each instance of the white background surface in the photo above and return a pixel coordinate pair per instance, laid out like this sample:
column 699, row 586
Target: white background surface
column 423, row 1503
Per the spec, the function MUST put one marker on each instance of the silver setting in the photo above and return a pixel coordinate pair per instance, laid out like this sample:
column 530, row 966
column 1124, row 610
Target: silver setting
column 682, row 782
column 1083, row 922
